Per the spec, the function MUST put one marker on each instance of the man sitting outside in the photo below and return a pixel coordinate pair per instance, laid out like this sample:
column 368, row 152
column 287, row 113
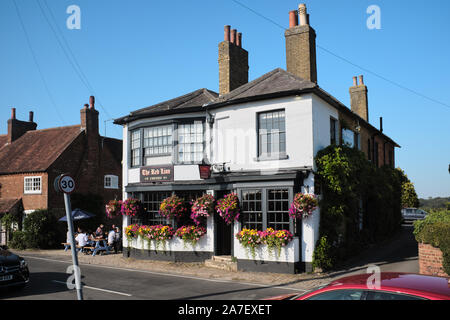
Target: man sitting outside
column 112, row 239
column 82, row 240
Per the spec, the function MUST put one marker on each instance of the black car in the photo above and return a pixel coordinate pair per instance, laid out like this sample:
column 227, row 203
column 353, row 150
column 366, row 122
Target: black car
column 13, row 269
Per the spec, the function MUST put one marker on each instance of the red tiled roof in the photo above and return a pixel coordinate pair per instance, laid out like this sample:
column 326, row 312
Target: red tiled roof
column 36, row 150
column 7, row 204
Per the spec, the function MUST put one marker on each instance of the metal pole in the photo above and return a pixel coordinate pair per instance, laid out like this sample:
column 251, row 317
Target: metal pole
column 76, row 269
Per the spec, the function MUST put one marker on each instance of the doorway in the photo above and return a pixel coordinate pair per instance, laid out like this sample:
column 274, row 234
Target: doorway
column 223, row 233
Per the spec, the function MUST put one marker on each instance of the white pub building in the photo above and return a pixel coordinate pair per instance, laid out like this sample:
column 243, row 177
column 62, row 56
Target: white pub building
column 257, row 139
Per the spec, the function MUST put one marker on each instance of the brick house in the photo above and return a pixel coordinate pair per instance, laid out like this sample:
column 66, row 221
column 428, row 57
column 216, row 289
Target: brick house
column 31, row 159
column 259, row 139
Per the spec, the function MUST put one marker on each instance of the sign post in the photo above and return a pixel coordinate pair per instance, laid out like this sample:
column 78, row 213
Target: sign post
column 65, row 183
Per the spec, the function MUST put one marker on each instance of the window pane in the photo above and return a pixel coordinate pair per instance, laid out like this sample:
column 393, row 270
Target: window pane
column 354, row 294
column 272, row 135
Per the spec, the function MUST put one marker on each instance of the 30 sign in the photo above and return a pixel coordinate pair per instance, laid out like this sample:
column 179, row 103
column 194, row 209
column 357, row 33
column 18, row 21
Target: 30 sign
column 64, row 183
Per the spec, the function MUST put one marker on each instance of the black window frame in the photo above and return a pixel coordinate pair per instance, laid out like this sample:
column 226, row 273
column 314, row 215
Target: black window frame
column 264, row 209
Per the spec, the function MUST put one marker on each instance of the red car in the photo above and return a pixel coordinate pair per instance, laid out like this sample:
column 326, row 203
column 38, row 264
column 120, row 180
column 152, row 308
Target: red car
column 392, row 286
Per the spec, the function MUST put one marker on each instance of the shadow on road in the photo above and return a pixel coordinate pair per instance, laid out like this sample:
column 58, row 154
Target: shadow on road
column 41, row 283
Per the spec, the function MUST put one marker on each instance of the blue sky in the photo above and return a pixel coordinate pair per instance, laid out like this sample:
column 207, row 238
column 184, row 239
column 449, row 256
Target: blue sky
column 136, row 53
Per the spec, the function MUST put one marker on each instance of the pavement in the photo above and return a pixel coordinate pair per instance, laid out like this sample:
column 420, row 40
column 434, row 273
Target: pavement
column 398, row 254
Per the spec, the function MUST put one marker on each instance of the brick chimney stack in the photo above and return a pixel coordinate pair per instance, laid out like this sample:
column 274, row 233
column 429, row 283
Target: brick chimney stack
column 89, row 123
column 358, row 98
column 17, row 128
column 233, row 61
column 301, row 45
column 89, row 118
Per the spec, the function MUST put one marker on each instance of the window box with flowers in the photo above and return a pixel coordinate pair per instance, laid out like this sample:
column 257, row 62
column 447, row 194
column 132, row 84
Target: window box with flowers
column 264, row 241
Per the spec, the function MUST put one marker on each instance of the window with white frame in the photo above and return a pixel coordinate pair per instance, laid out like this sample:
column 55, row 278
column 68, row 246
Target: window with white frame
column 135, row 148
column 32, row 185
column 157, row 141
column 271, row 134
column 190, row 142
column 111, row 182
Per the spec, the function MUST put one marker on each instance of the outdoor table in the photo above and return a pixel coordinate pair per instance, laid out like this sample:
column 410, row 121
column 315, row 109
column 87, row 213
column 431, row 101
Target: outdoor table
column 100, row 245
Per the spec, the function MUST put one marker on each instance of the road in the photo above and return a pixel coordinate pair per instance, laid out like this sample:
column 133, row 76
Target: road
column 48, row 280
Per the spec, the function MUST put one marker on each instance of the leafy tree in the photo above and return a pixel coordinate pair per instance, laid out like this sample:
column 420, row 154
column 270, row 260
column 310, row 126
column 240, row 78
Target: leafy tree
column 409, row 196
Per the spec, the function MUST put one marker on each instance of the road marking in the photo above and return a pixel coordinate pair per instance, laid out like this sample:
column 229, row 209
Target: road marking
column 98, row 289
column 171, row 275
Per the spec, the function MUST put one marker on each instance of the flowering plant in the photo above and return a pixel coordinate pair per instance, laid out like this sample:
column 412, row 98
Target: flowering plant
column 113, row 208
column 276, row 238
column 158, row 234
column 202, row 207
column 130, row 207
column 228, row 207
column 303, row 205
column 250, row 239
column 131, row 232
column 191, row 234
column 172, row 207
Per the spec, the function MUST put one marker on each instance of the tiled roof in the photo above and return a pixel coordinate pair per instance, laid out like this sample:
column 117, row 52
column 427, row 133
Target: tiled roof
column 7, row 204
column 277, row 81
column 191, row 101
column 36, row 150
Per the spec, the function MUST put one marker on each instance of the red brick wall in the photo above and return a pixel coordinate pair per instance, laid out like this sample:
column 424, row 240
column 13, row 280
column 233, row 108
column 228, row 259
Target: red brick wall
column 12, row 186
column 430, row 260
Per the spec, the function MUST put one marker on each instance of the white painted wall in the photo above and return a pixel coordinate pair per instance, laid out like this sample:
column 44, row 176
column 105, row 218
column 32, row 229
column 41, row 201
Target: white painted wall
column 289, row 253
column 205, row 244
column 235, row 134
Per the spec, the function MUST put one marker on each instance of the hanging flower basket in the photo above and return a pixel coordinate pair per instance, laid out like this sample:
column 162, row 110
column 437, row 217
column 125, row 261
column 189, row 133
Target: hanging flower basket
column 131, row 207
column 303, row 205
column 113, row 209
column 203, row 207
column 172, row 207
column 228, row 207
column 191, row 234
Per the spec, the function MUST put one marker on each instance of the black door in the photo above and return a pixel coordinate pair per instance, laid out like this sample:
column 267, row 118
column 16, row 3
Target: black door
column 223, row 232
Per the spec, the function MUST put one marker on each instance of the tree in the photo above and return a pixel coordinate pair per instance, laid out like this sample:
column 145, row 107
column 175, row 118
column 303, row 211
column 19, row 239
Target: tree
column 409, row 196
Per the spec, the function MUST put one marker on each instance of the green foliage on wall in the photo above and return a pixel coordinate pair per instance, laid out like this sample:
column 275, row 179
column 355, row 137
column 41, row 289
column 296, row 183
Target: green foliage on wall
column 355, row 193
column 435, row 230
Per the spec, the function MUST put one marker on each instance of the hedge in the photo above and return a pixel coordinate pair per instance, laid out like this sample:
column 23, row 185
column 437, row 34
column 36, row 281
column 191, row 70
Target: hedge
column 435, row 230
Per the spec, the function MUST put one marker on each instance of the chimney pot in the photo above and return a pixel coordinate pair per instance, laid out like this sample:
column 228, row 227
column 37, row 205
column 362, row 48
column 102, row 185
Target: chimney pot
column 233, row 36
column 355, row 81
column 92, row 102
column 381, row 124
column 86, row 106
column 239, row 39
column 31, row 116
column 293, row 18
column 13, row 113
column 227, row 33
column 303, row 18
column 361, row 80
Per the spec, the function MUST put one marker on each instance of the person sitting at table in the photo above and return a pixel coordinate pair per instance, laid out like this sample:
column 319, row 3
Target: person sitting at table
column 67, row 245
column 99, row 232
column 112, row 239
column 82, row 239
column 118, row 242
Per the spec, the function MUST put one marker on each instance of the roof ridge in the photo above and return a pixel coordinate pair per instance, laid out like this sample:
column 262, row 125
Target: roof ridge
column 250, row 84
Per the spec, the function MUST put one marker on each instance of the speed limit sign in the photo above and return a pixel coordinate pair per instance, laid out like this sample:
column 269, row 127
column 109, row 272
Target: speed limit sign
column 66, row 184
